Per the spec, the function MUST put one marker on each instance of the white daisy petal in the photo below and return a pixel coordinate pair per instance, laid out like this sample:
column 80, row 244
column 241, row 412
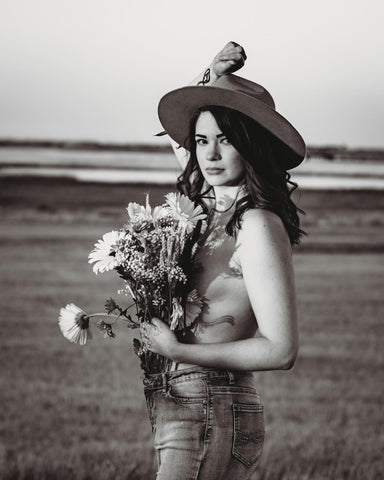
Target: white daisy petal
column 138, row 213
column 103, row 255
column 74, row 324
column 159, row 212
column 184, row 210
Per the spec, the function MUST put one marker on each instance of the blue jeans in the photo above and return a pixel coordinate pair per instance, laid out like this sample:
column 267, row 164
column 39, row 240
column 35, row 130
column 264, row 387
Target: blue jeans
column 208, row 423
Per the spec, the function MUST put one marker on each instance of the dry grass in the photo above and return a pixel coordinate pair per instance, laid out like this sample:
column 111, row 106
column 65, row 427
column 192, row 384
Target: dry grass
column 71, row 412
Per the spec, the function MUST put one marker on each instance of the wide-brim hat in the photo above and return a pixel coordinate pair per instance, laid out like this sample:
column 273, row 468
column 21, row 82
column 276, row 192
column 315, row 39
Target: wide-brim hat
column 177, row 108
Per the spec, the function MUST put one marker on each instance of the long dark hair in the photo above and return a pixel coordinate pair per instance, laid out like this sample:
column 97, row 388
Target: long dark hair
column 267, row 184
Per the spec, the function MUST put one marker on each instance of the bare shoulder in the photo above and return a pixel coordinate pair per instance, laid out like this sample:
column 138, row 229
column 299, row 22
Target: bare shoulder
column 262, row 236
column 263, row 225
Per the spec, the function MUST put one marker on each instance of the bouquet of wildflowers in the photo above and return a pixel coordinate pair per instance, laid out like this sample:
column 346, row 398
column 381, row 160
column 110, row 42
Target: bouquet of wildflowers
column 153, row 254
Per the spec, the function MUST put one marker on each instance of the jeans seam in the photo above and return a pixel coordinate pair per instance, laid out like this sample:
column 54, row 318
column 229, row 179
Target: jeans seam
column 208, row 416
column 202, row 443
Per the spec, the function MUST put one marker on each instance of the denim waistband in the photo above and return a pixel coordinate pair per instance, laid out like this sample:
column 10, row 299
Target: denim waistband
column 160, row 380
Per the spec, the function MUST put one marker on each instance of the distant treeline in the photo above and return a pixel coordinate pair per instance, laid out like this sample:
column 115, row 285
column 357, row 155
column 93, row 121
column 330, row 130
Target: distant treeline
column 89, row 146
column 329, row 152
column 345, row 153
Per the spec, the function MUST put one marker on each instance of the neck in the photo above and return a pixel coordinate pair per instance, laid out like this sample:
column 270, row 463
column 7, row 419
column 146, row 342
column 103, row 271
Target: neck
column 226, row 196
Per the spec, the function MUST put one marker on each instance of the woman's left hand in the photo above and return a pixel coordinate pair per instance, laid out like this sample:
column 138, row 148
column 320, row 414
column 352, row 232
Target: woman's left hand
column 158, row 337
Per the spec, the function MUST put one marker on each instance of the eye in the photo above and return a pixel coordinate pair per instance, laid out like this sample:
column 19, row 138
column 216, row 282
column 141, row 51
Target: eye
column 201, row 141
column 226, row 141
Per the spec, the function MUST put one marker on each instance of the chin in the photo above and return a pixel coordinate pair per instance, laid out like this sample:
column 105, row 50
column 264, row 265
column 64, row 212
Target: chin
column 216, row 182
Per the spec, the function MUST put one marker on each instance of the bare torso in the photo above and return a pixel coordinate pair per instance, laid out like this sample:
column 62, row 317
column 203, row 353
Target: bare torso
column 227, row 315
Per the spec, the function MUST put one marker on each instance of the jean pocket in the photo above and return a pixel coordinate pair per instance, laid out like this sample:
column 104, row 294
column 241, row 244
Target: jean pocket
column 248, row 435
column 190, row 391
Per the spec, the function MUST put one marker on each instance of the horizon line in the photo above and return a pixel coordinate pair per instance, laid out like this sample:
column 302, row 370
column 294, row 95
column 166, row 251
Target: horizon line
column 327, row 151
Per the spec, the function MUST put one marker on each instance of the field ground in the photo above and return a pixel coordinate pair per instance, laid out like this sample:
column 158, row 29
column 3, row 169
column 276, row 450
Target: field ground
column 71, row 412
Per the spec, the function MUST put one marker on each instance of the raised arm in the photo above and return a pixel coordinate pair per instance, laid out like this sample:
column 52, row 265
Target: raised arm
column 230, row 59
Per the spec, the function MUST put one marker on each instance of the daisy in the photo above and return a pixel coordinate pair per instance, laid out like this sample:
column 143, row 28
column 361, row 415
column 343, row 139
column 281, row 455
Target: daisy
column 103, row 255
column 184, row 210
column 139, row 213
column 134, row 210
column 159, row 213
column 74, row 324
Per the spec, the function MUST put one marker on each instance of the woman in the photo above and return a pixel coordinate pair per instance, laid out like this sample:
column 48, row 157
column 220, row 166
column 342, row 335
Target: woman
column 206, row 411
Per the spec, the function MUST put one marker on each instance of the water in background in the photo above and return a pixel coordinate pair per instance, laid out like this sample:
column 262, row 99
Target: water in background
column 162, row 168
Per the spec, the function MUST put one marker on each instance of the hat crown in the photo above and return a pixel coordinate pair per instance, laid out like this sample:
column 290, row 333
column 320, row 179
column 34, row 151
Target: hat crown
column 242, row 85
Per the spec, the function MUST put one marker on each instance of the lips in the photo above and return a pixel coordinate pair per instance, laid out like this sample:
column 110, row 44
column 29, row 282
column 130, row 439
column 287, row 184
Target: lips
column 214, row 170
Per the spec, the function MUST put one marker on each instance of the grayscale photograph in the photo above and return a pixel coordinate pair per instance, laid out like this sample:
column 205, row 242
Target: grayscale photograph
column 192, row 240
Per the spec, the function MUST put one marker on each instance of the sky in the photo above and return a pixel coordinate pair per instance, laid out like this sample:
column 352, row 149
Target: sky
column 96, row 69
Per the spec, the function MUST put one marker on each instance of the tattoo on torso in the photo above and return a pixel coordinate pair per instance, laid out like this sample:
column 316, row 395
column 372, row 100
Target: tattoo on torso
column 225, row 318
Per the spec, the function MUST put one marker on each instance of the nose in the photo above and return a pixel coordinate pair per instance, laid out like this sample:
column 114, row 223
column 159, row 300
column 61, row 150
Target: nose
column 213, row 152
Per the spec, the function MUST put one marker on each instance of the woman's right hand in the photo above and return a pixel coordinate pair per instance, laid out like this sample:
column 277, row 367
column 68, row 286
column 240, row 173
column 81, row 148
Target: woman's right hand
column 230, row 59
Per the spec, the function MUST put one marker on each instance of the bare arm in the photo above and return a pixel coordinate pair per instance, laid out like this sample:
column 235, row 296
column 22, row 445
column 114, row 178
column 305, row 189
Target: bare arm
column 265, row 255
column 230, row 59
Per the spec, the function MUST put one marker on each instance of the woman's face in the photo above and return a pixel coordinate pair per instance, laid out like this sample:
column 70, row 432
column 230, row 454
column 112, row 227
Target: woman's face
column 220, row 163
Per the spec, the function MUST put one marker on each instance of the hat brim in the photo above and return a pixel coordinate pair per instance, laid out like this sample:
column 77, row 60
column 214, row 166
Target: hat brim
column 177, row 108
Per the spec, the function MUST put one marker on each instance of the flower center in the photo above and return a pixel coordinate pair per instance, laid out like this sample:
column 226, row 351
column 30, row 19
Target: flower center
column 82, row 321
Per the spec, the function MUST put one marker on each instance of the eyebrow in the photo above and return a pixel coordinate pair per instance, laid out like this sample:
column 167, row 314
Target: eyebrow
column 205, row 136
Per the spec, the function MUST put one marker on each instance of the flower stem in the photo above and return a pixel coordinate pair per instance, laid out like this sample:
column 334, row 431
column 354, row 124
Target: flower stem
column 108, row 315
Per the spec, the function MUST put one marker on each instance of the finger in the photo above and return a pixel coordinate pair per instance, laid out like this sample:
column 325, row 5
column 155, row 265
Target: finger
column 236, row 49
column 146, row 331
column 231, row 56
column 233, row 46
column 240, row 49
column 147, row 345
column 156, row 322
column 144, row 336
column 230, row 45
column 143, row 327
column 230, row 64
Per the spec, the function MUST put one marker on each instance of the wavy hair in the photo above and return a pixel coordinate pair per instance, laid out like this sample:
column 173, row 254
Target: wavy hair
column 267, row 184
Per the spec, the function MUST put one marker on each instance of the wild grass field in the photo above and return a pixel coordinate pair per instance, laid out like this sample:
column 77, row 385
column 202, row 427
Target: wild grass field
column 72, row 412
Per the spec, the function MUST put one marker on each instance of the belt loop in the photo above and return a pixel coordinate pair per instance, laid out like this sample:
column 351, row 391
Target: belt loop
column 231, row 377
column 164, row 381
